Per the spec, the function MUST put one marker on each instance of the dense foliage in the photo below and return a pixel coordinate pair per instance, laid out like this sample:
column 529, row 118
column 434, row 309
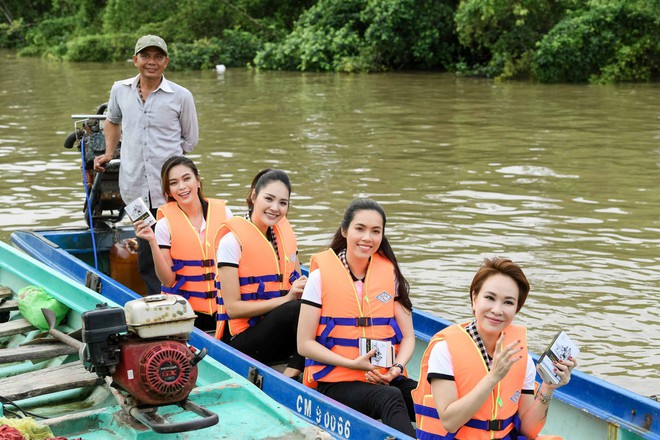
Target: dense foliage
column 361, row 35
column 609, row 42
column 547, row 40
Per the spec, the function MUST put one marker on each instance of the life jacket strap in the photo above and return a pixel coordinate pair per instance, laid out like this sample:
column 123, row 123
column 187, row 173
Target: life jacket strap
column 329, row 342
column 485, row 425
column 425, row 435
column 321, row 373
column 261, row 292
column 187, row 294
column 261, row 295
column 243, row 281
column 221, row 316
column 180, row 264
column 331, row 322
column 253, row 321
column 494, row 425
column 203, row 277
column 294, row 276
column 211, row 294
column 426, row 411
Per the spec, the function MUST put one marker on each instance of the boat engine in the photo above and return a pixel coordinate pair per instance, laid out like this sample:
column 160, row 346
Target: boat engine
column 142, row 353
column 156, row 372
column 102, row 188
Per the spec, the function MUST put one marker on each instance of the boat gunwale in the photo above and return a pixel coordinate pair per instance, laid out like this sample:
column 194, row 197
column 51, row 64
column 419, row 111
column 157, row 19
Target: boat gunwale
column 618, row 406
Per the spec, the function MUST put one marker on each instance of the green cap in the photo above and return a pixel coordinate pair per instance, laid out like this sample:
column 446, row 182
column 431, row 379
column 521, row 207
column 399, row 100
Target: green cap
column 149, row 41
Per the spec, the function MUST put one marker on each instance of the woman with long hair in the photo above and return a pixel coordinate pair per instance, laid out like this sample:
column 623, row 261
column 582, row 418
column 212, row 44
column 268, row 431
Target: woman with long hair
column 259, row 274
column 182, row 242
column 357, row 293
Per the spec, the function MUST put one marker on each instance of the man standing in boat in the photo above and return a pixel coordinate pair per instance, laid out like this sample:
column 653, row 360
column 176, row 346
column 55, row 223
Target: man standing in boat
column 155, row 119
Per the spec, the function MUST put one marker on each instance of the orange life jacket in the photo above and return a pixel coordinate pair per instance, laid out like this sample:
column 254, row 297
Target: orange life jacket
column 498, row 415
column 262, row 274
column 194, row 261
column 344, row 318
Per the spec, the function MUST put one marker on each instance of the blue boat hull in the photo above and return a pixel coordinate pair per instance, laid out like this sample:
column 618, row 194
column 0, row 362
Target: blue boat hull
column 602, row 409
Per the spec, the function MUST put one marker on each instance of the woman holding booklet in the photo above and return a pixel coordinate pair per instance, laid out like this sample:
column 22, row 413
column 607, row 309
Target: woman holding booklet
column 477, row 378
column 356, row 297
column 182, row 243
column 259, row 270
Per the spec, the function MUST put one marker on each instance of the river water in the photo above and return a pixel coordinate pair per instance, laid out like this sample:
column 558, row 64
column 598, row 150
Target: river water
column 563, row 179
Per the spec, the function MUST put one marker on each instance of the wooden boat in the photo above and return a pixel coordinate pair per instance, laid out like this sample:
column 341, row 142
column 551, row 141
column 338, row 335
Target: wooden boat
column 587, row 408
column 41, row 375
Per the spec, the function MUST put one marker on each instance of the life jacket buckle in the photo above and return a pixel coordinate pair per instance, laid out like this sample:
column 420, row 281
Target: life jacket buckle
column 208, row 263
column 363, row 321
column 209, row 276
column 495, row 425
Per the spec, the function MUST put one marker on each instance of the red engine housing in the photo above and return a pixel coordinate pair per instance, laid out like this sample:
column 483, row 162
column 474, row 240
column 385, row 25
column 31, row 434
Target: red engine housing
column 155, row 372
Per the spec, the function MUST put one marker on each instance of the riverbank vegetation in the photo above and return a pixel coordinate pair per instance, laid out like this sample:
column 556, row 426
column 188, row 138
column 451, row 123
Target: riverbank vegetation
column 598, row 41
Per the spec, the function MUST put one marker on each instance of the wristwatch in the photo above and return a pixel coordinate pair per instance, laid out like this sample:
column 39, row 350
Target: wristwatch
column 400, row 368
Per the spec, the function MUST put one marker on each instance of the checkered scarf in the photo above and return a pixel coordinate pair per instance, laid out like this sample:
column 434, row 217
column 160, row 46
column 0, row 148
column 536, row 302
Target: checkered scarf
column 342, row 257
column 472, row 331
column 270, row 232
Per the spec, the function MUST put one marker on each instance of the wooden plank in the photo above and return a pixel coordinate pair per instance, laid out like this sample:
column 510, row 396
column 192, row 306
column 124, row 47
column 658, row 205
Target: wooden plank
column 8, row 306
column 37, row 351
column 5, row 292
column 48, row 380
column 15, row 327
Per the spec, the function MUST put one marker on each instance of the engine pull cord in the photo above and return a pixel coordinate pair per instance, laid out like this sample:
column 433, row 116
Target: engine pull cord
column 88, row 202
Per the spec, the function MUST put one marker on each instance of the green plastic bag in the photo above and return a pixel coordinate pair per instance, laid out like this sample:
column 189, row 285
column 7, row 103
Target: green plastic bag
column 31, row 299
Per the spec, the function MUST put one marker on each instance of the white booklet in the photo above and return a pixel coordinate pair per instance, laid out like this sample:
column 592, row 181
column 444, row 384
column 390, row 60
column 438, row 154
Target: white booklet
column 384, row 356
column 137, row 210
column 560, row 348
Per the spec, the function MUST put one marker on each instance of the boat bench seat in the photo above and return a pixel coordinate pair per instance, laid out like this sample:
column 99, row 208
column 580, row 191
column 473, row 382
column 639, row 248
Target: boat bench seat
column 32, row 352
column 15, row 327
column 49, row 380
column 5, row 292
column 8, row 306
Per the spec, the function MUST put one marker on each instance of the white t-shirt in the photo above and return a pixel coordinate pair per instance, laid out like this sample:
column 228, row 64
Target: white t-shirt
column 229, row 250
column 440, row 363
column 162, row 231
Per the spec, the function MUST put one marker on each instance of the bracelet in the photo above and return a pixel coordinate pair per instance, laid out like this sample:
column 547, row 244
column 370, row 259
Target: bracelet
column 399, row 366
column 544, row 398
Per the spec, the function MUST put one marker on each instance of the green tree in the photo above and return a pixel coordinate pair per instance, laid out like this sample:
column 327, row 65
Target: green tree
column 29, row 11
column 370, row 35
column 499, row 36
column 552, row 40
column 607, row 42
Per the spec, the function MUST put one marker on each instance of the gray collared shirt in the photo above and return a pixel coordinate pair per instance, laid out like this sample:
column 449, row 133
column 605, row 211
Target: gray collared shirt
column 163, row 126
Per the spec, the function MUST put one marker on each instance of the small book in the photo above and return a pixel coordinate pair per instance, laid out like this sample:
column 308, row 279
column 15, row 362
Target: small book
column 560, row 348
column 384, row 356
column 137, row 210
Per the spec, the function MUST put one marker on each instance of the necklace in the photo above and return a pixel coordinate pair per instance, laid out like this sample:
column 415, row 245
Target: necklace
column 139, row 87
